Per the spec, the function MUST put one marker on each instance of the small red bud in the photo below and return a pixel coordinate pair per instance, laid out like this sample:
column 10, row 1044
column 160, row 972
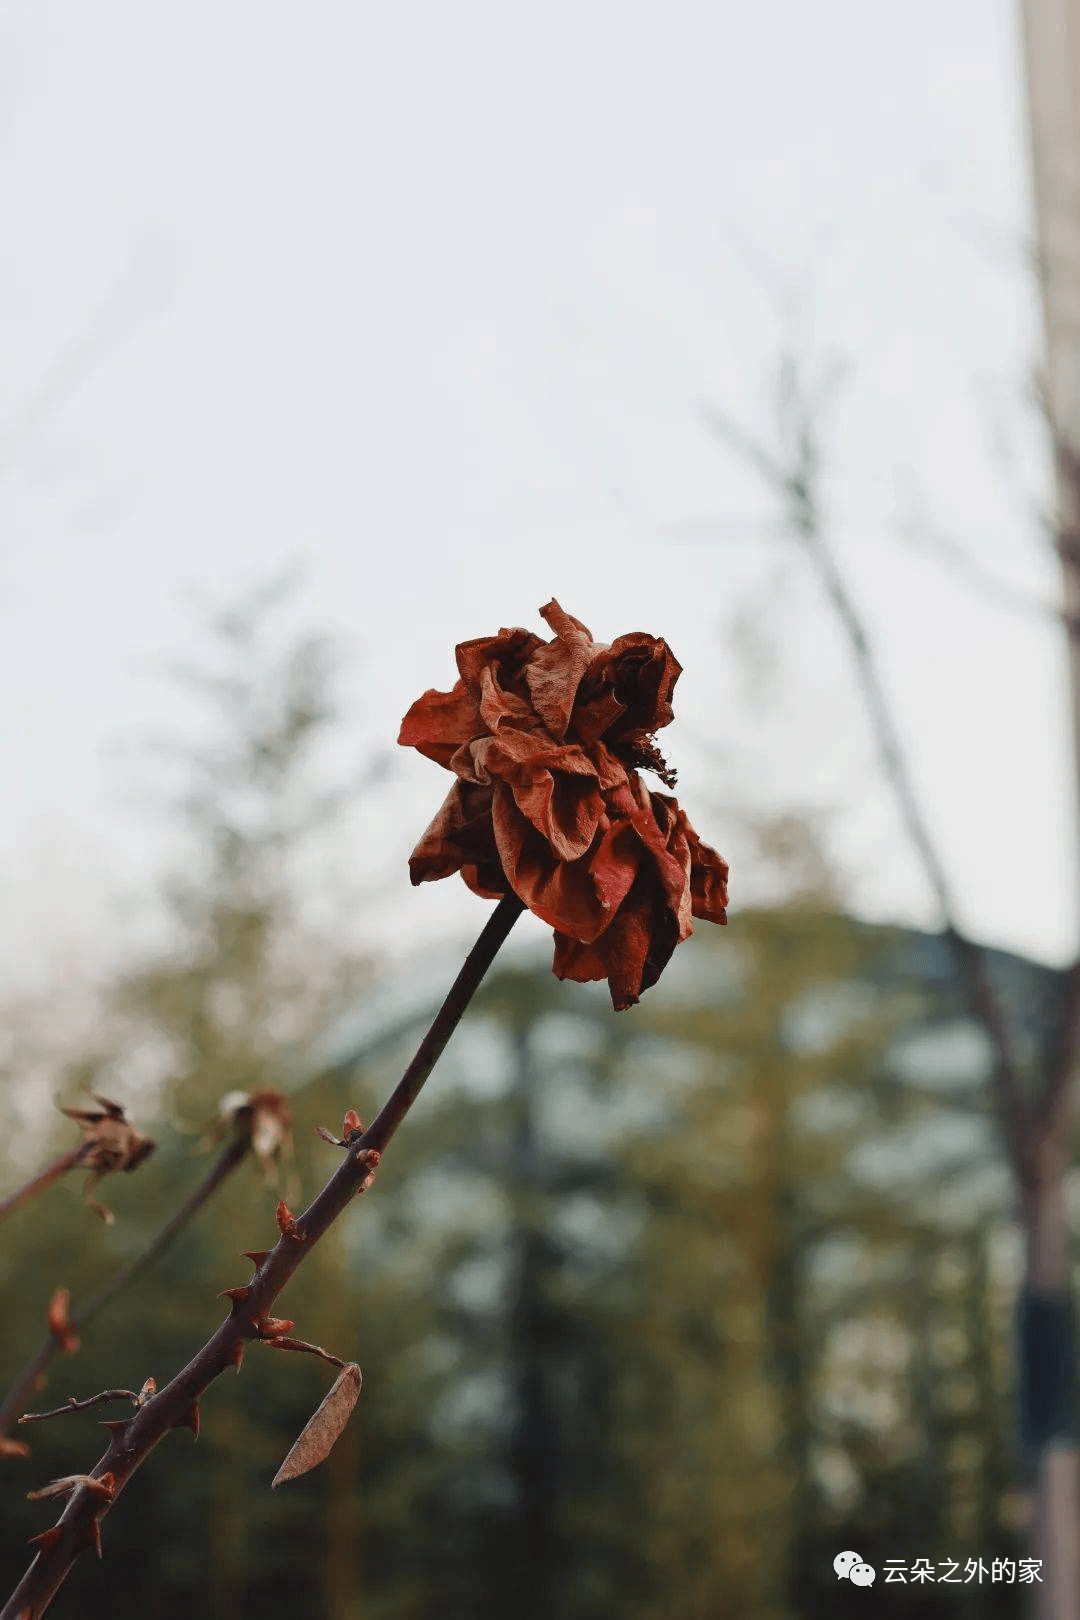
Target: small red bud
column 272, row 1327
column 287, row 1225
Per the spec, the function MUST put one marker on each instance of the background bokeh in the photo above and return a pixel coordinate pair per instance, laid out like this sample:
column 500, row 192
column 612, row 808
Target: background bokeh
column 336, row 335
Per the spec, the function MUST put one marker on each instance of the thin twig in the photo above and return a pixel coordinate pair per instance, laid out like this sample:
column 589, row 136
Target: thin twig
column 986, row 581
column 283, row 1343
column 28, row 1379
column 73, row 1405
column 177, row 1404
column 44, row 1177
column 795, row 481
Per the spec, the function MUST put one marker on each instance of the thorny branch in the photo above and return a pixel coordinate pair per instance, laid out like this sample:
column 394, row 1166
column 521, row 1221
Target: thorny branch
column 793, row 475
column 177, row 1404
column 57, row 1344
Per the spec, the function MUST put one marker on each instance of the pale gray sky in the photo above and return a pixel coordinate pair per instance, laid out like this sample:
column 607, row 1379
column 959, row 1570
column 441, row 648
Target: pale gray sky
column 429, row 296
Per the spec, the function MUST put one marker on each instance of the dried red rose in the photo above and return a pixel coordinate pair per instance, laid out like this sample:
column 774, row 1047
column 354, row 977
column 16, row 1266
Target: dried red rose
column 546, row 739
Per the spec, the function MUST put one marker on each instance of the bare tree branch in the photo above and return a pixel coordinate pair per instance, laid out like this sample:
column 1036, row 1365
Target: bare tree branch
column 28, row 1380
column 792, row 473
column 44, row 1178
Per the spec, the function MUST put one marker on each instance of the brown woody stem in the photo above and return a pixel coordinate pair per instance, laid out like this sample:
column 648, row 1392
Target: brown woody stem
column 172, row 1406
column 44, row 1178
column 27, row 1381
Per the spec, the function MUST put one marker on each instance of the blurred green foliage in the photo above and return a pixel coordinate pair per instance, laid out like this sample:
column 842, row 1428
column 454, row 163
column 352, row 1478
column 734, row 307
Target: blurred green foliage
column 657, row 1311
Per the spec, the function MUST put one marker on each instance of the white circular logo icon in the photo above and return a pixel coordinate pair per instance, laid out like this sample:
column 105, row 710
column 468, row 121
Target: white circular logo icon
column 843, row 1564
column 862, row 1575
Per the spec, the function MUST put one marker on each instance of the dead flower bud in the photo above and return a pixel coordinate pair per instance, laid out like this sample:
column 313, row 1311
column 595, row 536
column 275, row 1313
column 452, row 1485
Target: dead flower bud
column 148, row 1389
column 264, row 1116
column 59, row 1323
column 369, row 1159
column 113, row 1144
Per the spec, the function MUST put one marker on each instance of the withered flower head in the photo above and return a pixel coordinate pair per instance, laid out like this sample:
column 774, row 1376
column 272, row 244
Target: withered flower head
column 263, row 1116
column 112, row 1143
column 546, row 739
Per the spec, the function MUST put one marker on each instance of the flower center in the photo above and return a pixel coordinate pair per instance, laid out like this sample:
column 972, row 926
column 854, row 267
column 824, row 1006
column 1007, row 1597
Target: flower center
column 642, row 754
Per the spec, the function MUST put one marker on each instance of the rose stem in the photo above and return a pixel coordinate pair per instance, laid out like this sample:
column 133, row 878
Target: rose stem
column 44, row 1178
column 14, row 1401
column 176, row 1405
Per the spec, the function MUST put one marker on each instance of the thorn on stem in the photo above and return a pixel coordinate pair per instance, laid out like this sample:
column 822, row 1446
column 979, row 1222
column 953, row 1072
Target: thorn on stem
column 47, row 1538
column 190, row 1420
column 236, row 1295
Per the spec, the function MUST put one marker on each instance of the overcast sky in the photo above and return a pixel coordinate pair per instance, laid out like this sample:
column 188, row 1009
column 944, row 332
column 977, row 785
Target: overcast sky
column 430, row 297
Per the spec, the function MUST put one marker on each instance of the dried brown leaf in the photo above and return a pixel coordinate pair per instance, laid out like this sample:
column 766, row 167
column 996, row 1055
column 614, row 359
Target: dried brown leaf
column 316, row 1439
column 73, row 1482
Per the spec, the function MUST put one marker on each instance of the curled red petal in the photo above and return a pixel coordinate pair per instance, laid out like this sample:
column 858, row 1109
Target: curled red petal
column 493, row 670
column 555, row 787
column 556, row 669
column 577, row 897
column 461, row 839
